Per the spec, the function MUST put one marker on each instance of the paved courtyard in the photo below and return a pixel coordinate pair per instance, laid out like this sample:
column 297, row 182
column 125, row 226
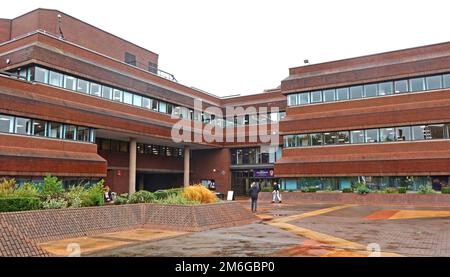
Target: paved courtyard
column 295, row 230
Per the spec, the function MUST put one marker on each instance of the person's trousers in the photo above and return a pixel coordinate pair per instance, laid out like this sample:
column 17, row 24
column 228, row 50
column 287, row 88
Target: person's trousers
column 276, row 196
column 254, row 200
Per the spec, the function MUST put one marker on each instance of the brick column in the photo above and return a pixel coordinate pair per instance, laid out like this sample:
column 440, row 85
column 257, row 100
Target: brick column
column 186, row 165
column 132, row 167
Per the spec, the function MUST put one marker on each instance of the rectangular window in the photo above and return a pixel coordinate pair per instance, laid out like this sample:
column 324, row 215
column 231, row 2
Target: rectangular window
column 401, row 86
column 289, row 141
column 342, row 94
column 169, row 108
column 146, row 102
column 115, row 145
column 329, row 95
column 39, row 128
column 55, row 130
column 106, row 92
column 69, row 132
column 152, row 67
column 292, row 100
column 416, row 84
column 403, row 133
column 127, row 98
column 343, row 137
column 162, row 107
column 6, row 123
column 303, row 140
column 140, row 148
column 370, row 90
column 105, row 145
column 316, row 96
column 82, row 133
column 372, row 135
column 446, row 78
column 96, row 89
column 40, row 75
column 155, row 105
column 357, row 136
column 434, row 82
column 56, row 79
column 303, row 98
column 137, row 100
column 330, row 138
column 418, row 132
column 117, row 95
column 316, row 139
column 83, row 86
column 385, row 88
column 435, row 131
column 356, row 92
column 22, row 126
column 70, row 82
column 130, row 58
column 124, row 147
column 387, row 134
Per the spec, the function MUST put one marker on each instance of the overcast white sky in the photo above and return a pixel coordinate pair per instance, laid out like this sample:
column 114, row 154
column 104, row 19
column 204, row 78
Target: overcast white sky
column 245, row 46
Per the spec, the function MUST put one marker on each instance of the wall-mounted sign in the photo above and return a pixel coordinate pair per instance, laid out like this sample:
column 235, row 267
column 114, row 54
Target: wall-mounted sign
column 264, row 173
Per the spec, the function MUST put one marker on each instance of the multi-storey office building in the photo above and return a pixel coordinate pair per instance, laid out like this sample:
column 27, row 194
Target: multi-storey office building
column 83, row 104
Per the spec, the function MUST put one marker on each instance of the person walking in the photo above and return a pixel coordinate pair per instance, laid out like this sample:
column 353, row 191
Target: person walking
column 254, row 190
column 276, row 195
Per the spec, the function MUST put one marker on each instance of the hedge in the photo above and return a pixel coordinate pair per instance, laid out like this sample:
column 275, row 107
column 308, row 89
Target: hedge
column 13, row 204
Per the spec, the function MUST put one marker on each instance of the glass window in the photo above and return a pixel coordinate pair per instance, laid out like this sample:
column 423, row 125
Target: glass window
column 127, row 98
column 56, row 79
column 401, row 86
column 117, row 95
column 330, row 138
column 303, row 98
column 137, row 100
column 387, row 134
column 146, row 102
column 329, row 95
column 106, row 92
column 115, row 145
column 105, row 144
column 372, row 135
column 292, row 100
column 96, row 89
column 343, row 137
column 316, row 139
column 356, row 92
column 357, row 136
column 162, row 107
column 418, row 132
column 39, row 127
column 123, row 146
column 83, row 86
column 446, row 78
column 435, row 131
column 140, row 148
column 69, row 132
column 385, row 88
column 82, row 133
column 6, row 123
column 41, row 75
column 370, row 90
column 55, row 130
column 70, row 82
column 155, row 105
column 289, row 141
column 169, row 108
column 316, row 96
column 417, row 84
column 342, row 94
column 434, row 82
column 22, row 126
column 302, row 140
column 403, row 133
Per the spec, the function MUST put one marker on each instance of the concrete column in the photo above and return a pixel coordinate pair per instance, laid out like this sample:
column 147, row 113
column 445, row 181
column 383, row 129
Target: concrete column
column 186, row 165
column 132, row 167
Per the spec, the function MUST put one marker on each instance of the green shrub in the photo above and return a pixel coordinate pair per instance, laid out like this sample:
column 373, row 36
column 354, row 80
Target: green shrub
column 176, row 199
column 347, row 190
column 328, row 189
column 27, row 190
column 13, row 204
column 75, row 196
column 54, row 203
column 142, row 196
column 120, row 200
column 94, row 195
column 362, row 189
column 425, row 189
column 51, row 188
column 266, row 190
column 390, row 190
column 445, row 190
column 308, row 189
column 402, row 190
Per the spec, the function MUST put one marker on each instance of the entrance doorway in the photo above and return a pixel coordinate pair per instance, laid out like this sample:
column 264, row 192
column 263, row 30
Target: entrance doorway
column 158, row 181
column 242, row 179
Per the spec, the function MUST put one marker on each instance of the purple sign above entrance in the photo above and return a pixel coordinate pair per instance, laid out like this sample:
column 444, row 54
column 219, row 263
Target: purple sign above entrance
column 263, row 173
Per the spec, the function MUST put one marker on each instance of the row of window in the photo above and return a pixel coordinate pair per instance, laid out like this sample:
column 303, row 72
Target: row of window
column 389, row 134
column 123, row 146
column 370, row 90
column 255, row 155
column 42, row 128
column 43, row 75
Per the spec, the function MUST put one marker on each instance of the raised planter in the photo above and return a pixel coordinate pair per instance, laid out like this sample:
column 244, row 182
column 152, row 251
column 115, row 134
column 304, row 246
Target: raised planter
column 410, row 199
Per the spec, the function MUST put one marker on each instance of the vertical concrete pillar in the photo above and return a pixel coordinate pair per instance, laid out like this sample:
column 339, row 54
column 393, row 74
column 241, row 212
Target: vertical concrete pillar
column 132, row 167
column 186, row 165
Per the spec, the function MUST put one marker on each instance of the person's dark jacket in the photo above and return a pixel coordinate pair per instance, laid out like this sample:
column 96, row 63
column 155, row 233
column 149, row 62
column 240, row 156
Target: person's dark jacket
column 254, row 190
column 276, row 187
